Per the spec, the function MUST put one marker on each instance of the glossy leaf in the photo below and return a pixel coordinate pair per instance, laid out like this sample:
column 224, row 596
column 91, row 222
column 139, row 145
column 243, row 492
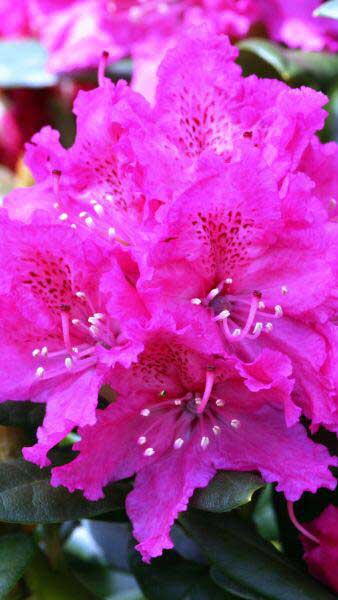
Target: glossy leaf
column 16, row 551
column 250, row 567
column 26, row 496
column 23, row 64
column 170, row 577
column 226, row 491
column 327, row 9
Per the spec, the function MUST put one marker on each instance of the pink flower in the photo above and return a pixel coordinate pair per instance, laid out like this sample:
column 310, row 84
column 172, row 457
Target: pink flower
column 322, row 558
column 294, row 24
column 14, row 21
column 180, row 416
column 62, row 299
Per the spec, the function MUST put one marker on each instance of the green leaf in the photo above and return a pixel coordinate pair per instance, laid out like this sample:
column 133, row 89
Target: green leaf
column 16, row 551
column 246, row 565
column 49, row 584
column 264, row 515
column 171, row 577
column 227, row 490
column 290, row 65
column 23, row 64
column 21, row 414
column 26, row 496
column 327, row 9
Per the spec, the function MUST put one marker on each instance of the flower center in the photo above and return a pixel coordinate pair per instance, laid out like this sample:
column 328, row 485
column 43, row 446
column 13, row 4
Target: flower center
column 240, row 315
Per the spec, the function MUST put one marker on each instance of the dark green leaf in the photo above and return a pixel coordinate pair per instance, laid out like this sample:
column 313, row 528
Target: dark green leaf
column 49, row 584
column 26, row 496
column 264, row 515
column 290, row 65
column 23, row 64
column 21, row 414
column 327, row 9
column 226, row 491
column 16, row 551
column 170, row 577
column 247, row 562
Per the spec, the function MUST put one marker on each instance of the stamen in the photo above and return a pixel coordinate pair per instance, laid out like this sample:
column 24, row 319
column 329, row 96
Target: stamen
column 222, row 315
column 216, row 429
column 149, row 452
column 44, row 351
column 36, row 352
column 63, row 217
column 40, row 372
column 142, row 440
column 236, row 332
column 178, row 402
column 98, row 209
column 268, row 327
column 278, row 310
column 205, row 442
column 228, row 280
column 261, row 305
column 196, row 301
column 298, row 526
column 235, row 423
column 212, row 294
column 80, row 294
column 89, row 221
column 284, row 289
column 178, row 443
column 68, row 362
column 145, row 412
column 111, row 232
column 219, row 402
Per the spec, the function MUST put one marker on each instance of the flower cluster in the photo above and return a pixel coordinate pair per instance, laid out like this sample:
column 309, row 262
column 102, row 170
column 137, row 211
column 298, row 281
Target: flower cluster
column 74, row 31
column 184, row 255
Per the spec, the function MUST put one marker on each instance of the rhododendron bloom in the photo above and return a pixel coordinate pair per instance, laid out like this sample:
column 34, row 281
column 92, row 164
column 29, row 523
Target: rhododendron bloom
column 61, row 306
column 322, row 557
column 294, row 24
column 182, row 415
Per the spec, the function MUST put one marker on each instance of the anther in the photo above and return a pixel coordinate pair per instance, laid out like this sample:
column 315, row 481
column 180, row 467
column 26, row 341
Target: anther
column 261, row 305
column 258, row 327
column 268, row 327
column 219, row 402
column 149, row 452
column 111, row 232
column 213, row 293
column 204, row 442
column 63, row 217
column 196, row 301
column 142, row 440
column 178, row 443
column 216, row 429
column 68, row 362
column 236, row 332
column 177, row 402
column 40, row 372
column 36, row 352
column 44, row 351
column 235, row 423
column 80, row 294
column 222, row 315
column 98, row 209
column 89, row 221
column 75, row 321
column 163, row 394
column 278, row 310
column 284, row 289
column 228, row 280
column 99, row 316
column 198, row 401
column 83, row 214
column 145, row 412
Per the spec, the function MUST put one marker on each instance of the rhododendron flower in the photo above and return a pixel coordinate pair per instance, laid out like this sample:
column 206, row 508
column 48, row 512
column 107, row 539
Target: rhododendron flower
column 322, row 557
column 294, row 24
column 180, row 416
column 61, row 312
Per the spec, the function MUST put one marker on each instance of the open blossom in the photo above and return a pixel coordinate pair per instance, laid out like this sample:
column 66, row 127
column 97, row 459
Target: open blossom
column 61, row 311
column 322, row 557
column 294, row 24
column 180, row 416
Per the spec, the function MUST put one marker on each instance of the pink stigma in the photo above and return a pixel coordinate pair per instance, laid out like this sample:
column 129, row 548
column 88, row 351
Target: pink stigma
column 209, row 382
column 102, row 68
